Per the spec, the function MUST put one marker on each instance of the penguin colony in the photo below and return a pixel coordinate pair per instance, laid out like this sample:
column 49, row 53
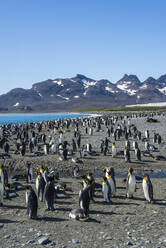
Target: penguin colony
column 30, row 138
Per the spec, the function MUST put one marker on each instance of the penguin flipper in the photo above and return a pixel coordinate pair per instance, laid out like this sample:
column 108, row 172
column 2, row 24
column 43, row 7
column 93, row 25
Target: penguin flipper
column 150, row 189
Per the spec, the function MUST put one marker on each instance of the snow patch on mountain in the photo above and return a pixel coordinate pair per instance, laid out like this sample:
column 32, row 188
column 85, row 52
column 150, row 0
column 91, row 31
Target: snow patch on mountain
column 59, row 82
column 66, row 98
column 39, row 94
column 124, row 85
column 76, row 96
column 17, row 104
column 131, row 92
column 88, row 83
column 144, row 86
column 110, row 90
column 163, row 90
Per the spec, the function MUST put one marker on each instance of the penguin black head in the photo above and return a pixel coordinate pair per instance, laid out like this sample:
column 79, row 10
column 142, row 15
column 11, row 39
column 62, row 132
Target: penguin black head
column 56, row 177
column 28, row 164
column 131, row 170
column 104, row 179
column 8, row 185
column 38, row 173
column 46, row 169
column 50, row 179
column 42, row 168
column 27, row 187
column 146, row 176
column 104, row 169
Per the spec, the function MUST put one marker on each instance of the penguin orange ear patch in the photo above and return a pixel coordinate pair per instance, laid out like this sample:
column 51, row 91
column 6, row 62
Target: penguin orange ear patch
column 85, row 218
column 27, row 187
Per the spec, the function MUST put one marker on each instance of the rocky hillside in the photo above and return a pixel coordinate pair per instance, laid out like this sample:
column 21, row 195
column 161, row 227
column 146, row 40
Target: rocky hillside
column 82, row 92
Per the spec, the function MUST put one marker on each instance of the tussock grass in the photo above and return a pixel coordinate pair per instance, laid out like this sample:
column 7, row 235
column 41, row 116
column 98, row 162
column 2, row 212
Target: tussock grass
column 135, row 108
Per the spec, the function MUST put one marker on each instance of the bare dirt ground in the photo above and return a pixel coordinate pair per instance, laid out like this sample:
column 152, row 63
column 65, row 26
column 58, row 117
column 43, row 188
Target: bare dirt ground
column 122, row 223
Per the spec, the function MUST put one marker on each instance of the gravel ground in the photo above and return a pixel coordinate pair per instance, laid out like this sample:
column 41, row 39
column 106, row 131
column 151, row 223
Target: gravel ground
column 122, row 223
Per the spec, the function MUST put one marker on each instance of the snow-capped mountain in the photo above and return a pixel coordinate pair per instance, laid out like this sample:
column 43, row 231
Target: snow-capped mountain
column 82, row 92
column 129, row 84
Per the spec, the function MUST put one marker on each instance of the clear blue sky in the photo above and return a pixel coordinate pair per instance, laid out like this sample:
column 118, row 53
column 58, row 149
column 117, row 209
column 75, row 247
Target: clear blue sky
column 41, row 39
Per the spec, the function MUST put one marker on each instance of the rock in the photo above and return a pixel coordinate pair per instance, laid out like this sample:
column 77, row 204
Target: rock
column 106, row 237
column 52, row 244
column 31, row 230
column 6, row 236
column 43, row 241
column 30, row 242
column 129, row 243
column 137, row 245
column 57, row 242
column 47, row 234
column 75, row 241
column 39, row 234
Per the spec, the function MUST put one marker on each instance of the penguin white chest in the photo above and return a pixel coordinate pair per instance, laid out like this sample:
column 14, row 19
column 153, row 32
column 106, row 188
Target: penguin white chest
column 53, row 148
column 146, row 191
column 105, row 189
column 1, row 192
column 26, row 197
column 112, row 185
column 37, row 183
column 131, row 184
column 114, row 151
column 88, row 148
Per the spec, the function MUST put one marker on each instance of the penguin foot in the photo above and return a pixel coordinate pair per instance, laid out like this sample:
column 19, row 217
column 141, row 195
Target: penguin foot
column 33, row 217
column 47, row 209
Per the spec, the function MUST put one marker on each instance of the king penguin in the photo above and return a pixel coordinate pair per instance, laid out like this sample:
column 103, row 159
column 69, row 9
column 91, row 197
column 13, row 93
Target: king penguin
column 131, row 184
column 29, row 173
column 84, row 199
column 111, row 180
column 106, row 190
column 40, row 185
column 126, row 154
column 31, row 201
column 138, row 154
column 92, row 183
column 49, row 194
column 114, row 150
column 1, row 191
column 147, row 188
column 147, row 134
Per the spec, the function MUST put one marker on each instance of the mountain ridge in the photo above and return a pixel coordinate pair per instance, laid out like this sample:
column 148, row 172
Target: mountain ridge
column 81, row 92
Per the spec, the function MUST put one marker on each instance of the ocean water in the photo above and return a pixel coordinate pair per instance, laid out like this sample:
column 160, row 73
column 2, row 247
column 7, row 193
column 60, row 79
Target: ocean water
column 22, row 118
